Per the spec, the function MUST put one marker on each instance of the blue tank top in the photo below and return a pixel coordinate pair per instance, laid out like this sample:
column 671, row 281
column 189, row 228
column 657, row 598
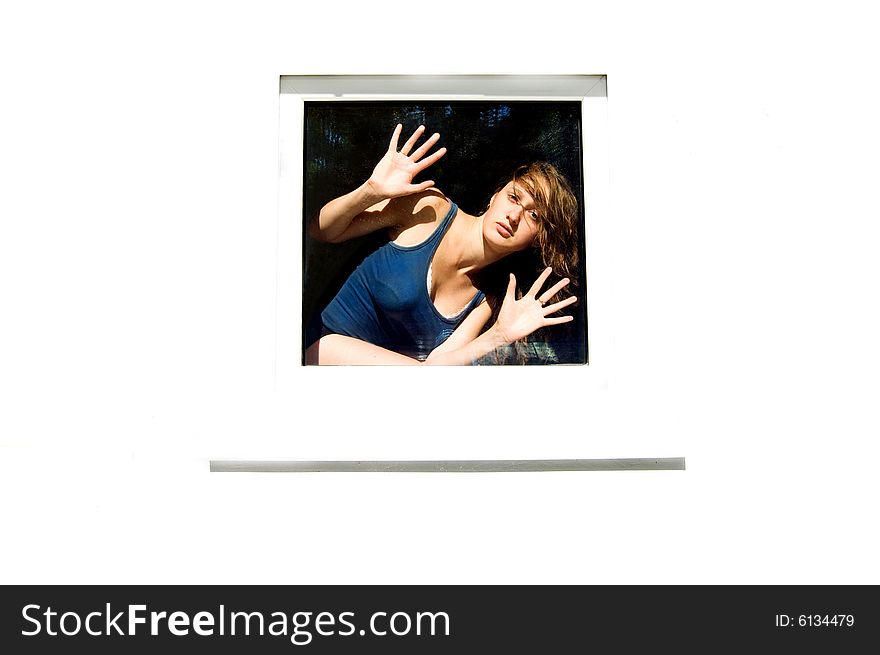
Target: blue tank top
column 385, row 301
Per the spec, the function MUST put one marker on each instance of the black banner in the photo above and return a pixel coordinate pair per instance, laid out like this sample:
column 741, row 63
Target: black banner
column 437, row 619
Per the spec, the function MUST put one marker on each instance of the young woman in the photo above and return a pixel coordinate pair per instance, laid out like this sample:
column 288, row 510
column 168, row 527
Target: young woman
column 425, row 297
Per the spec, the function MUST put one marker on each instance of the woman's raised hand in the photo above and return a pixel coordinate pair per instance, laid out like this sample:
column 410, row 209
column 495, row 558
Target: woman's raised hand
column 393, row 175
column 519, row 318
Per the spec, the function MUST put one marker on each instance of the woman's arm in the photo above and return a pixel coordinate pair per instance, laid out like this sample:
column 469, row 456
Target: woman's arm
column 338, row 349
column 335, row 220
column 370, row 207
column 516, row 319
column 464, row 334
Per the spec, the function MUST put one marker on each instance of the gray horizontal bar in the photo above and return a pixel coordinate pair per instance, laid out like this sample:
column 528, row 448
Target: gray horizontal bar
column 450, row 466
column 487, row 85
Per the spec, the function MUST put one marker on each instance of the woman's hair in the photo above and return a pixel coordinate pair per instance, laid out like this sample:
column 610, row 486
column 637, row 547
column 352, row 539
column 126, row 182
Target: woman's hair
column 555, row 245
column 556, row 238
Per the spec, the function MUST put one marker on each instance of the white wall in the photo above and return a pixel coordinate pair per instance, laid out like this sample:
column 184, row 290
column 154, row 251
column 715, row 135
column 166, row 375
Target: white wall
column 139, row 167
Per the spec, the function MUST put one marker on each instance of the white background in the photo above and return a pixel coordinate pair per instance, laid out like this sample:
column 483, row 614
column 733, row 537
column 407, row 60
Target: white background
column 138, row 191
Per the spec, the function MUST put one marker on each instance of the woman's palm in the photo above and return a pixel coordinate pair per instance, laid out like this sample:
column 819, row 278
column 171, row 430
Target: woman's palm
column 519, row 318
column 394, row 174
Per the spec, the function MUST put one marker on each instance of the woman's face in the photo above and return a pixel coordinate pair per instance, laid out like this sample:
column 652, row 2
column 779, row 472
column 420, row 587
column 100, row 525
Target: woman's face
column 511, row 221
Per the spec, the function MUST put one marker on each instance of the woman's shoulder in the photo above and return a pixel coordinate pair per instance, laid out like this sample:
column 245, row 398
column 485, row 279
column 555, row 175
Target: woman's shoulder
column 414, row 203
column 433, row 198
column 427, row 206
column 424, row 212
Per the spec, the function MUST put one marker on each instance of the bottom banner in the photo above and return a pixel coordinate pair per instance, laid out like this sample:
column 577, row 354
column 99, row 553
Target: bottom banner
column 437, row 619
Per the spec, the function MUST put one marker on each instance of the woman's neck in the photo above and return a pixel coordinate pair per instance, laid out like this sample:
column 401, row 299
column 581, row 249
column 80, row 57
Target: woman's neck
column 468, row 249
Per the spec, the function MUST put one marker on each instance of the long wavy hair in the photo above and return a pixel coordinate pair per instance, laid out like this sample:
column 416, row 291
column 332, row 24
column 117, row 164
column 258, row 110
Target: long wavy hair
column 555, row 245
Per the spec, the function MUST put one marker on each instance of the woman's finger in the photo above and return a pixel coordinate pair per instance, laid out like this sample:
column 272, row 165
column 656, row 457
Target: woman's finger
column 392, row 147
column 552, row 291
column 555, row 307
column 427, row 161
column 511, row 287
column 410, row 142
column 533, row 290
column 558, row 320
column 423, row 149
column 422, row 186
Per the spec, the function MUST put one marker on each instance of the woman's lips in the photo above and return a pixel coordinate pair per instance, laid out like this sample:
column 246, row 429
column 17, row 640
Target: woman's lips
column 503, row 230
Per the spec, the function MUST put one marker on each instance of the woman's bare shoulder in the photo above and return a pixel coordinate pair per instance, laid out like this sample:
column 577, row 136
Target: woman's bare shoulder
column 432, row 198
column 419, row 212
